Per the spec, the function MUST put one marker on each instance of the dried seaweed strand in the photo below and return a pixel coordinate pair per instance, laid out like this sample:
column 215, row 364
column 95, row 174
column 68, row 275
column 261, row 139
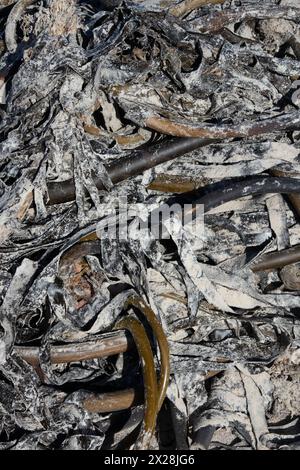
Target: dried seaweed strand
column 6, row 3
column 211, row 131
column 11, row 25
column 220, row 19
column 189, row 5
column 89, row 247
column 255, row 186
column 150, row 383
column 162, row 343
column 79, row 250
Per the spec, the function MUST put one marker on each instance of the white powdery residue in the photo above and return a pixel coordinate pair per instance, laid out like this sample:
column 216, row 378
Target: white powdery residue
column 174, row 395
column 109, row 114
column 282, row 151
column 294, row 234
column 2, row 92
column 10, row 144
column 2, row 352
column 148, row 176
column 290, row 3
column 238, row 299
column 278, row 220
column 15, row 291
column 236, row 169
column 295, row 357
column 178, row 335
column 5, row 231
column 256, row 409
column 110, row 313
column 193, row 267
column 238, row 205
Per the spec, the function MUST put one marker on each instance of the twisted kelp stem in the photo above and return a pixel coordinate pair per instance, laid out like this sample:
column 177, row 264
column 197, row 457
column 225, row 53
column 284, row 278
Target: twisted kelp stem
column 150, row 383
column 162, row 344
column 189, row 139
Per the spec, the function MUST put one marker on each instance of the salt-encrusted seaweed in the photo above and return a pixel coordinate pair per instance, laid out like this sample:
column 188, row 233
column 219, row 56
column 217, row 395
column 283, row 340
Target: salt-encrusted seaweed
column 82, row 85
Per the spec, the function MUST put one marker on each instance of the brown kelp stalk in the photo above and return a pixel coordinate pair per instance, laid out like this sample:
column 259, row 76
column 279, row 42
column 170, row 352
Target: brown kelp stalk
column 107, row 345
column 191, row 139
column 143, row 345
column 162, row 344
column 277, row 259
column 282, row 122
column 134, row 164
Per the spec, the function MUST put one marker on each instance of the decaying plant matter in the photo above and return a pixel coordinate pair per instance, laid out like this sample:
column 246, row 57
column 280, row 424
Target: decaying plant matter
column 185, row 342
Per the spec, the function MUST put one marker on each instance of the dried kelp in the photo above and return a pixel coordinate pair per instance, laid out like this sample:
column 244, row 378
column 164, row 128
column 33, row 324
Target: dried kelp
column 95, row 99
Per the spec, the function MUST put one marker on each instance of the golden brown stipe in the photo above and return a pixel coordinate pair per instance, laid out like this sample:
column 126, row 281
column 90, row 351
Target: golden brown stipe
column 109, row 344
column 112, row 401
column 129, row 139
column 175, row 184
column 149, row 375
column 89, row 237
column 162, row 344
column 25, row 203
column 211, row 131
column 120, row 139
column 88, row 246
column 278, row 259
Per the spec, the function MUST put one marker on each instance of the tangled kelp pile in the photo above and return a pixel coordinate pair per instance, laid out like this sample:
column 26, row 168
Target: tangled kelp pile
column 83, row 85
